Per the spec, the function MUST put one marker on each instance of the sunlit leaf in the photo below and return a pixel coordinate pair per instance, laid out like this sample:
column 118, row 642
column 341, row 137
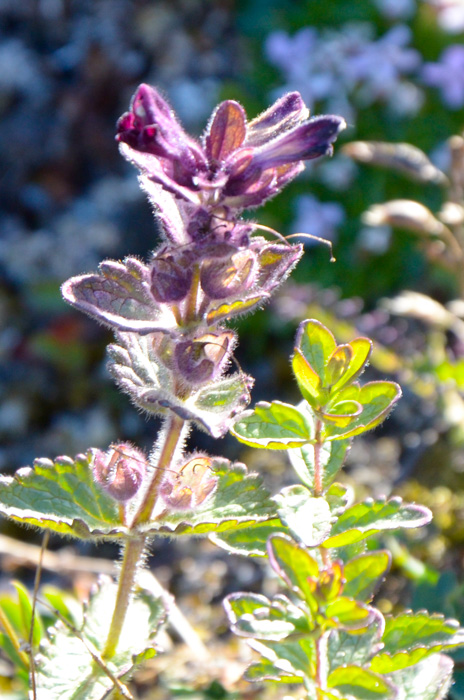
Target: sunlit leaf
column 360, row 683
column 274, row 426
column 252, row 540
column 348, row 648
column 364, row 574
column 377, row 400
column 430, row 679
column 61, row 496
column 119, row 296
column 293, row 564
column 372, row 516
column 65, row 670
column 309, row 519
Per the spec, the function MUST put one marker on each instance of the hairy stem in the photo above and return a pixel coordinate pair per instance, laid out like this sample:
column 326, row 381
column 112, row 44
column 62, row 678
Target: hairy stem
column 134, row 547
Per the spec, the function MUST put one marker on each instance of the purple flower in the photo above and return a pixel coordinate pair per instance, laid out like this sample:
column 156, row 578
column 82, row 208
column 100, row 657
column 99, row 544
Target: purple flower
column 448, row 75
column 238, row 164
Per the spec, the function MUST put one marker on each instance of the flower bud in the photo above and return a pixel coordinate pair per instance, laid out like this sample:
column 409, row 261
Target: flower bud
column 203, row 359
column 192, row 485
column 120, row 470
column 171, row 278
column 230, row 274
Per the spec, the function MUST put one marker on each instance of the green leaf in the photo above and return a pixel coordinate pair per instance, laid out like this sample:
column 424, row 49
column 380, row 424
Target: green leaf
column 294, row 565
column 274, row 426
column 360, row 683
column 332, row 455
column 428, row 680
column 252, row 540
column 372, row 516
column 357, row 649
column 25, row 608
column 377, row 400
column 65, row 670
column 364, row 574
column 308, row 518
column 411, row 637
column 292, row 659
column 61, row 496
column 342, row 414
column 316, row 343
column 267, row 671
column 139, row 372
column 239, row 501
column 348, row 613
column 257, row 616
column 309, row 382
column 361, row 349
column 339, row 497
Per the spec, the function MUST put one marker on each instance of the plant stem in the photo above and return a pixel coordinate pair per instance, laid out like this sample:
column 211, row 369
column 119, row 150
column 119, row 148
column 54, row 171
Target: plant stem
column 174, row 428
column 134, row 547
column 132, row 554
column 318, row 487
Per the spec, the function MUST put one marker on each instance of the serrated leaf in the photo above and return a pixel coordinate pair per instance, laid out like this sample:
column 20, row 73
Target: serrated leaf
column 308, row 518
column 360, row 683
column 411, row 637
column 274, row 426
column 239, row 500
column 364, row 574
column 61, row 496
column 356, row 649
column 251, row 541
column 139, row 372
column 376, row 398
column 65, row 670
column 332, row 456
column 294, row 565
column 120, row 297
column 428, row 680
column 372, row 516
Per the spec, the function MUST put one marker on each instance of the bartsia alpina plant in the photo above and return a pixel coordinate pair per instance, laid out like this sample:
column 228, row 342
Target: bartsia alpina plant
column 172, row 355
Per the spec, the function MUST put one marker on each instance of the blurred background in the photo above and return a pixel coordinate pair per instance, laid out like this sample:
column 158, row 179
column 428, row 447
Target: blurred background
column 395, row 70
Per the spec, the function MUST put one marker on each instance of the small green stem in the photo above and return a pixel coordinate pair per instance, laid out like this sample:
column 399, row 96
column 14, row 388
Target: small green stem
column 132, row 554
column 174, row 433
column 318, row 485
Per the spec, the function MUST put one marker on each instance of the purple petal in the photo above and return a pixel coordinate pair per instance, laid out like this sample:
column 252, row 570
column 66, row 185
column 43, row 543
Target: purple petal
column 283, row 115
column 304, row 142
column 226, row 132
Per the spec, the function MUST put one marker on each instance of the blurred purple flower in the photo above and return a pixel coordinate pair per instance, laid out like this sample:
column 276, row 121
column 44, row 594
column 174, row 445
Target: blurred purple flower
column 447, row 74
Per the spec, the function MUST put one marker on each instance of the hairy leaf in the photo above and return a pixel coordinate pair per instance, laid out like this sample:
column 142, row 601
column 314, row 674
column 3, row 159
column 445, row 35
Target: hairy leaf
column 372, row 516
column 376, row 398
column 410, row 637
column 293, row 564
column 308, row 519
column 274, row 426
column 151, row 386
column 239, row 501
column 428, row 680
column 357, row 649
column 364, row 574
column 65, row 670
column 251, row 540
column 360, row 683
column 61, row 496
column 120, row 297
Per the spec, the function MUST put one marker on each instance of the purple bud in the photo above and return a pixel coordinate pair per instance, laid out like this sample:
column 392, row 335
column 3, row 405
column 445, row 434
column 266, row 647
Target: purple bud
column 171, row 277
column 231, row 274
column 204, row 358
column 120, row 471
column 283, row 115
column 192, row 485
